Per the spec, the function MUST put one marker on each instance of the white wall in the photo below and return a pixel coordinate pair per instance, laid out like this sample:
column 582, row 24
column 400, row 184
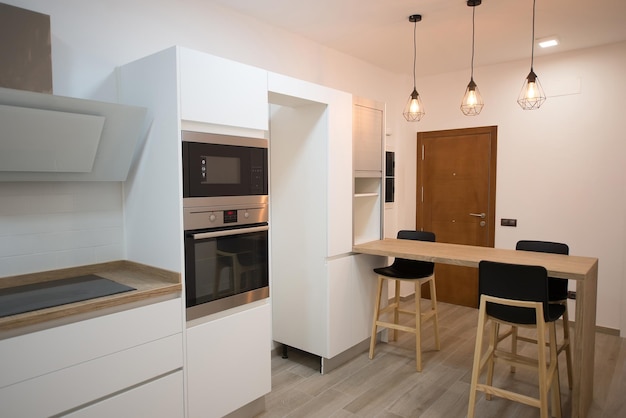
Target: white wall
column 47, row 226
column 560, row 169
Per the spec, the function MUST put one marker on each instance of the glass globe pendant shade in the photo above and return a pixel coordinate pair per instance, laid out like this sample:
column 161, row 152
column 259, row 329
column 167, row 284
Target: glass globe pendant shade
column 472, row 103
column 414, row 109
column 532, row 95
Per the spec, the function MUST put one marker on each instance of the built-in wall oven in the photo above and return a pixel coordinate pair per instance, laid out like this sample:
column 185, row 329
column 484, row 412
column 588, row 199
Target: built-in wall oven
column 225, row 215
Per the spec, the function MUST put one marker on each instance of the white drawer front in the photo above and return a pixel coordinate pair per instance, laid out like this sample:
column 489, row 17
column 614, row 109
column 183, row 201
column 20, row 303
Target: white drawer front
column 38, row 353
column 161, row 398
column 71, row 387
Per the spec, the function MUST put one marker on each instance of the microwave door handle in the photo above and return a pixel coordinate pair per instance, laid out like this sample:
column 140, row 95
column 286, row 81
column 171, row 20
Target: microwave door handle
column 228, row 232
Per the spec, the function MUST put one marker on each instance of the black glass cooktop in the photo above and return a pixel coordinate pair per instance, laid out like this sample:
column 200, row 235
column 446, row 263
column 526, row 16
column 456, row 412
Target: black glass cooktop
column 31, row 297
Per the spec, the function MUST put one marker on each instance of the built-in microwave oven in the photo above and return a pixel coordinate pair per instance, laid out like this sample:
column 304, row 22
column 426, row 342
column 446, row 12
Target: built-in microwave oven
column 223, row 165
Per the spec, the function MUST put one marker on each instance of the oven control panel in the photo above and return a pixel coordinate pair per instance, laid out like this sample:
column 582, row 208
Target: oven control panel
column 208, row 217
column 230, row 216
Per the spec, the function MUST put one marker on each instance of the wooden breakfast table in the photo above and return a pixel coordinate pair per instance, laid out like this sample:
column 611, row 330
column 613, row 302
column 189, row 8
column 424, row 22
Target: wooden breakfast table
column 582, row 269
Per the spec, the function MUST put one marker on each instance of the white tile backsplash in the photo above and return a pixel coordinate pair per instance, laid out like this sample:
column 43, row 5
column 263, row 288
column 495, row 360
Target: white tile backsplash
column 46, row 226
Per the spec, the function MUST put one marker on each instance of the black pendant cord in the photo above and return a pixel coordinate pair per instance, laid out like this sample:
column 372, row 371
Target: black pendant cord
column 532, row 50
column 414, row 51
column 473, row 17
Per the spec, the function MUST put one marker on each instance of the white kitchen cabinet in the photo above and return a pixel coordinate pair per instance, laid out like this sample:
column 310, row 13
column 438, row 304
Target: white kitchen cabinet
column 69, row 366
column 229, row 361
column 368, row 143
column 222, row 92
column 351, row 301
column 317, row 293
column 160, row 398
column 368, row 135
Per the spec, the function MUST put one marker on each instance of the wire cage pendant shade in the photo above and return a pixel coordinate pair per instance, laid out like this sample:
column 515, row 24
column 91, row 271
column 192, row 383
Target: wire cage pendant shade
column 472, row 103
column 532, row 95
column 414, row 109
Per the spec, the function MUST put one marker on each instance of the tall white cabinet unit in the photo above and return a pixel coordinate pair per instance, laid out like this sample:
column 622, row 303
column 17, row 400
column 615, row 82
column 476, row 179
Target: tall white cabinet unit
column 186, row 89
column 322, row 294
column 368, row 135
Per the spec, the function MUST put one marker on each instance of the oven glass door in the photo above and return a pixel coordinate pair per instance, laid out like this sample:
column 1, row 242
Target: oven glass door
column 225, row 263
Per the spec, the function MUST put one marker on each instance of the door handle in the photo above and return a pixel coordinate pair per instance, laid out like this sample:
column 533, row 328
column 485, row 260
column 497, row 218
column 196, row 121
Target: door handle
column 479, row 215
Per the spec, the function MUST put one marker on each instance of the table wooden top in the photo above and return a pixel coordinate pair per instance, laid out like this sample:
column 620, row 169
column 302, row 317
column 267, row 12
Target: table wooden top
column 561, row 266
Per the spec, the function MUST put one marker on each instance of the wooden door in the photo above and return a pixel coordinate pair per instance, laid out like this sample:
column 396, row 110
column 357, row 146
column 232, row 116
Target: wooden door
column 456, row 185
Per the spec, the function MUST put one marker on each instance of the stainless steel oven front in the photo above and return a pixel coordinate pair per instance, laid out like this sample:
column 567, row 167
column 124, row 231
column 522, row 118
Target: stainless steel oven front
column 226, row 254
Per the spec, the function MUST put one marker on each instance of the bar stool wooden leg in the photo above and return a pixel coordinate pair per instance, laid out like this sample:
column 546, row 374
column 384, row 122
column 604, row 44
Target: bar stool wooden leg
column 543, row 379
column 513, row 344
column 493, row 345
column 418, row 325
column 476, row 367
column 433, row 306
column 554, row 370
column 396, row 309
column 376, row 315
column 568, row 347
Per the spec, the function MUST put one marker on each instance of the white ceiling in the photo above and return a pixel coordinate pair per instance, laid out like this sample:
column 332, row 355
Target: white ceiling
column 379, row 32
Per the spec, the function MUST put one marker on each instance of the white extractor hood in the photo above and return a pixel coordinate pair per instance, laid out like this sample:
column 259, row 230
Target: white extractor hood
column 54, row 138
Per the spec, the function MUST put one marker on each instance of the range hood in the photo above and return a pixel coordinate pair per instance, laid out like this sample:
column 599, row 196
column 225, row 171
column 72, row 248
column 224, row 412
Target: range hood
column 45, row 137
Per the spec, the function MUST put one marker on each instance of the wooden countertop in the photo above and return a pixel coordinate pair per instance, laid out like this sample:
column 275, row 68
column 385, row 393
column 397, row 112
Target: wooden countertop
column 149, row 282
column 562, row 266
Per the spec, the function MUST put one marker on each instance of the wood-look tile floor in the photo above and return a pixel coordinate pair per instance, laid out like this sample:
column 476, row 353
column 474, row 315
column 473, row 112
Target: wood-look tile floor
column 389, row 387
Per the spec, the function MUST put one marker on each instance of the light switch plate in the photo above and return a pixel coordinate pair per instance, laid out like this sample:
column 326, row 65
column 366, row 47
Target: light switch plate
column 508, row 222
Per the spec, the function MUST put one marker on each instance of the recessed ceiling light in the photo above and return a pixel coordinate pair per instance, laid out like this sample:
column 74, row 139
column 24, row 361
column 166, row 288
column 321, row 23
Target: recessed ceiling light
column 548, row 42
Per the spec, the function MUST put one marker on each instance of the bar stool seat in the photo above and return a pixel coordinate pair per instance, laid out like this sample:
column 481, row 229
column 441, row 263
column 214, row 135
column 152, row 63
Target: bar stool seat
column 418, row 272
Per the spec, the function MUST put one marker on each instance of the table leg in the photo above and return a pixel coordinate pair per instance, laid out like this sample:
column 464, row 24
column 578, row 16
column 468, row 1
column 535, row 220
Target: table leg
column 584, row 343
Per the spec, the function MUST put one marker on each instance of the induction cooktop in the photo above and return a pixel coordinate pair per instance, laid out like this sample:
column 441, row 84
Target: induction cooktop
column 31, row 297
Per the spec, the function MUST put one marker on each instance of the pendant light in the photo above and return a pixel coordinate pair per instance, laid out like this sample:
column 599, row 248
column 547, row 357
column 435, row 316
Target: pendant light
column 414, row 109
column 532, row 95
column 472, row 102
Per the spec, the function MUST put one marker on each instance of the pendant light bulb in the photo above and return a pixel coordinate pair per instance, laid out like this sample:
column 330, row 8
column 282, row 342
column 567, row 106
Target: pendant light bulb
column 414, row 109
column 414, row 103
column 472, row 103
column 532, row 95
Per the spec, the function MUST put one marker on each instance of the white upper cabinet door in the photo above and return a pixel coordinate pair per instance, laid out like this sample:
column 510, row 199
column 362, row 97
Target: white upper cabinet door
column 368, row 139
column 218, row 91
